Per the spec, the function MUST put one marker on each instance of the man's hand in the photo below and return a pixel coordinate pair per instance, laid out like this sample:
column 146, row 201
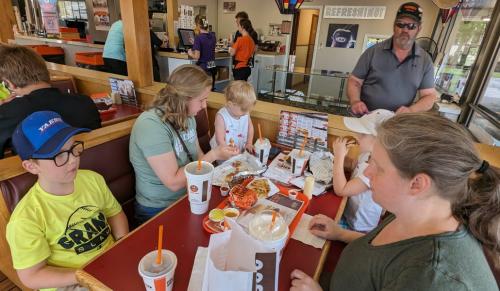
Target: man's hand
column 403, row 109
column 302, row 282
column 359, row 107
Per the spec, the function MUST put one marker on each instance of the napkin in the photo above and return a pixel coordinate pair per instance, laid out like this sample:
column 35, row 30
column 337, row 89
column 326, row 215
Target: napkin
column 200, row 260
column 303, row 234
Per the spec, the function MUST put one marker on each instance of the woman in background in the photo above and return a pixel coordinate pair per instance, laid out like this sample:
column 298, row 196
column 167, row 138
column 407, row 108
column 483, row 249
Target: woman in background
column 243, row 50
column 204, row 48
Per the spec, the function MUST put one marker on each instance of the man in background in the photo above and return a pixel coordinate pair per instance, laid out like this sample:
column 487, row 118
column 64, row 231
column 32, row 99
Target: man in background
column 389, row 74
column 26, row 76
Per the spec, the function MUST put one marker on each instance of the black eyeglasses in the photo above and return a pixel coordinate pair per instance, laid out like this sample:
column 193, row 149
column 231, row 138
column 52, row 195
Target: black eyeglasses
column 409, row 26
column 62, row 158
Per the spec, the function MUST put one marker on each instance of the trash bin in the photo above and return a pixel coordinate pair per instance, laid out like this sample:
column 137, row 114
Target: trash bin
column 90, row 60
column 52, row 54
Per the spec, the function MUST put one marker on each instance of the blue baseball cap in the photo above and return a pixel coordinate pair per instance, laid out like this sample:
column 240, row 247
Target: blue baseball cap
column 42, row 135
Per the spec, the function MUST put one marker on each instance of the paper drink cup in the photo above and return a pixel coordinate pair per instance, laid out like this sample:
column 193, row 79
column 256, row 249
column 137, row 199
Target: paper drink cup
column 262, row 149
column 158, row 277
column 298, row 163
column 199, row 185
column 275, row 237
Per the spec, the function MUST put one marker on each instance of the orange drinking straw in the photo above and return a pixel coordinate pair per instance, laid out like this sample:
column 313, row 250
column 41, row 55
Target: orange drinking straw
column 260, row 132
column 199, row 166
column 160, row 241
column 303, row 146
column 272, row 220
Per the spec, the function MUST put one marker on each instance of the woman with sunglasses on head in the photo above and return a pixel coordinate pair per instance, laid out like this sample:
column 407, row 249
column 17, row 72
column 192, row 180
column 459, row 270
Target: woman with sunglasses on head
column 444, row 211
column 389, row 74
column 164, row 140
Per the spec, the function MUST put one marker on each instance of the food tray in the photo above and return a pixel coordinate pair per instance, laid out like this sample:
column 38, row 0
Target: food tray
column 212, row 227
column 242, row 162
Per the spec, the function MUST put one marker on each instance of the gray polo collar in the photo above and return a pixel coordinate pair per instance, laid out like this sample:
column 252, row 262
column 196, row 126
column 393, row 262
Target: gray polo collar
column 415, row 49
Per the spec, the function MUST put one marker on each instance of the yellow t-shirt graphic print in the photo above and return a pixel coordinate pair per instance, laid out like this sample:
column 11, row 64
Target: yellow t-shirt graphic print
column 86, row 230
column 66, row 231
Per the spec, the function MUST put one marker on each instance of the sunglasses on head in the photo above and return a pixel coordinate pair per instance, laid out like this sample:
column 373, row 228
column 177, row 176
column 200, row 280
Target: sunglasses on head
column 410, row 26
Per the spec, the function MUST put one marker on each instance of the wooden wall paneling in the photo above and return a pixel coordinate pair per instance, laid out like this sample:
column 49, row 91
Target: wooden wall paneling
column 172, row 15
column 7, row 20
column 137, row 41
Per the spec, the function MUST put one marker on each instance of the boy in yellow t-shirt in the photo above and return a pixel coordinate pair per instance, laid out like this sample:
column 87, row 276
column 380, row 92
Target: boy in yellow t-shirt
column 69, row 216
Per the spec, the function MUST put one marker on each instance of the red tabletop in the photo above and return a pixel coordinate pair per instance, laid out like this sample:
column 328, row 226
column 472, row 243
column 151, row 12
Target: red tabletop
column 117, row 267
column 123, row 112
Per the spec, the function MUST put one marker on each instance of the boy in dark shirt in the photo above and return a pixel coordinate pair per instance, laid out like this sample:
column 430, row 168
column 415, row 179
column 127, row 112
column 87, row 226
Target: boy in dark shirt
column 26, row 75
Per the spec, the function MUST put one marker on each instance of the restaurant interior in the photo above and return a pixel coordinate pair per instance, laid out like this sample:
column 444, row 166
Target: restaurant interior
column 298, row 70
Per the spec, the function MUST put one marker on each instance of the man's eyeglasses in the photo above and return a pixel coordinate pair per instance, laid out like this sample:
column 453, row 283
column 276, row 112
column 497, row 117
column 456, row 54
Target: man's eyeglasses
column 409, row 26
column 62, row 158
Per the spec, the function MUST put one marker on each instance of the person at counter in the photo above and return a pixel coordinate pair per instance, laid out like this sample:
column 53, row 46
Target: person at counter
column 253, row 34
column 164, row 140
column 242, row 50
column 26, row 76
column 204, row 48
column 444, row 211
column 389, row 74
column 113, row 54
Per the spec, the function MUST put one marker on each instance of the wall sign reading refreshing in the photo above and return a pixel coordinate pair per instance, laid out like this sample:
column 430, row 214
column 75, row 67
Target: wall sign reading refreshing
column 357, row 12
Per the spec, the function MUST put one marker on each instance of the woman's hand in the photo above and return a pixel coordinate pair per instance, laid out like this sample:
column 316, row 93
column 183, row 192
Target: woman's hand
column 325, row 227
column 302, row 282
column 340, row 147
column 224, row 152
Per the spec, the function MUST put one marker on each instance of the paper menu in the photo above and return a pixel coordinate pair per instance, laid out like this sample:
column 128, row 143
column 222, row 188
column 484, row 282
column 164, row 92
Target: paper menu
column 279, row 169
column 294, row 126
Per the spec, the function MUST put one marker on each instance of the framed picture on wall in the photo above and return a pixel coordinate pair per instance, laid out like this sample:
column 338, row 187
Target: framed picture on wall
column 373, row 39
column 342, row 35
column 229, row 7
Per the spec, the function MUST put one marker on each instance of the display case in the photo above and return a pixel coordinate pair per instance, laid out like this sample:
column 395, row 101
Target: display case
column 323, row 91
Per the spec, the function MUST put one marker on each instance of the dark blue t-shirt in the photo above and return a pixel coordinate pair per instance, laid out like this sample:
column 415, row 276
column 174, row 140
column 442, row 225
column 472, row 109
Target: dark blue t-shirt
column 205, row 43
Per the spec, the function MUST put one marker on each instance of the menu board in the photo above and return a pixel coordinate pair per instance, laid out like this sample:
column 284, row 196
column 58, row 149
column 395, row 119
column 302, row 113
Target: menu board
column 125, row 88
column 295, row 127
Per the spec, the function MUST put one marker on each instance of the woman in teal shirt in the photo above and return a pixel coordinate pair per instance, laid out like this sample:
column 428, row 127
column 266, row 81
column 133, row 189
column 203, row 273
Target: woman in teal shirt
column 445, row 205
column 156, row 152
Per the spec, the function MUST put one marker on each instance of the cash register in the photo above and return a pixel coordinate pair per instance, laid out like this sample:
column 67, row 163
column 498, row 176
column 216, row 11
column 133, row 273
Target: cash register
column 186, row 39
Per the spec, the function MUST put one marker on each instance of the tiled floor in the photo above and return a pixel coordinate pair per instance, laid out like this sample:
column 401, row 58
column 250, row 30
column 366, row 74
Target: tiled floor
column 6, row 284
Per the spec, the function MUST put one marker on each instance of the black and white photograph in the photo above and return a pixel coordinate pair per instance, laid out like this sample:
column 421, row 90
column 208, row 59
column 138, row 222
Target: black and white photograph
column 342, row 35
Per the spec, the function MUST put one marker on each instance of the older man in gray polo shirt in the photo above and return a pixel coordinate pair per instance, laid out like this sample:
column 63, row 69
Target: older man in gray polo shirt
column 389, row 74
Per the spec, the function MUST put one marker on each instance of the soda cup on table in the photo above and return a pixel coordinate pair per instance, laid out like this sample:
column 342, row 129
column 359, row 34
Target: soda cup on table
column 262, row 148
column 158, row 277
column 299, row 159
column 199, row 176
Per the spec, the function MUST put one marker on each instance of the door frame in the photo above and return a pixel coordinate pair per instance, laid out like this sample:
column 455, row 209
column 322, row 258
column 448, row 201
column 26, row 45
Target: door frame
column 318, row 30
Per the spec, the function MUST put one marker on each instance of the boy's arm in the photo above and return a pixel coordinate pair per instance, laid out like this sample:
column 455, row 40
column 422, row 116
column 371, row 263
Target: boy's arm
column 119, row 225
column 43, row 276
column 220, row 130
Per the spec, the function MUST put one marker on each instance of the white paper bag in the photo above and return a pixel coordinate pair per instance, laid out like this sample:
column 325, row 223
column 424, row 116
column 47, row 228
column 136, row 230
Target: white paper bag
column 236, row 261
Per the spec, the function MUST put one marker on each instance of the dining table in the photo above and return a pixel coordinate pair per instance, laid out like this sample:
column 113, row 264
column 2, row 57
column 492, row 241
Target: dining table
column 117, row 267
column 121, row 112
